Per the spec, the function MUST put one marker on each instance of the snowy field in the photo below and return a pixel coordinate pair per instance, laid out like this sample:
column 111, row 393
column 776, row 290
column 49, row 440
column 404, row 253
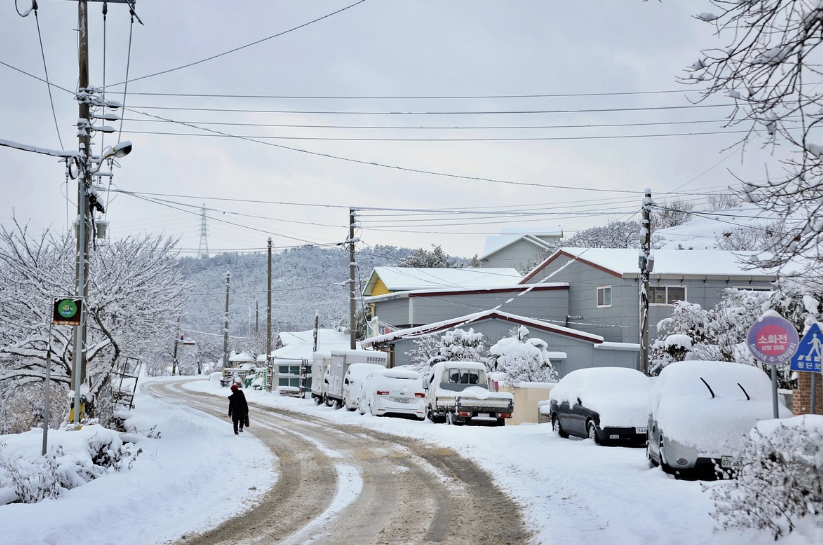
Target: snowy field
column 572, row 491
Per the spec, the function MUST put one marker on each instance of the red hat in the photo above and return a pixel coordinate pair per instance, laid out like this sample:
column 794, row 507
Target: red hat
column 234, row 387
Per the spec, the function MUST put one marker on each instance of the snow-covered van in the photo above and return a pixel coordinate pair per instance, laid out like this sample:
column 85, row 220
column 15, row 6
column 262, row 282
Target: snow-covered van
column 320, row 362
column 457, row 392
column 333, row 378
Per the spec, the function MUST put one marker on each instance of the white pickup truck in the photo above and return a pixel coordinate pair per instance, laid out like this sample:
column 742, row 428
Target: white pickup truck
column 457, row 392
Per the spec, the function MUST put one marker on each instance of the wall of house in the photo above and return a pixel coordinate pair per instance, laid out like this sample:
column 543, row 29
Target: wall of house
column 521, row 255
column 621, row 321
column 549, row 305
column 579, row 353
column 379, row 288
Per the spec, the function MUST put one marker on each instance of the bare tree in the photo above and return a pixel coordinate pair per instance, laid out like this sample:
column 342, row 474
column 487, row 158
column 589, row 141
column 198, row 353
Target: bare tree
column 136, row 290
column 771, row 70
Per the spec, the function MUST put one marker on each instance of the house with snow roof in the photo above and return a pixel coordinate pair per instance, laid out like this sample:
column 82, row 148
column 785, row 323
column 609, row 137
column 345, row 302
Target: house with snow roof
column 518, row 247
column 569, row 349
column 604, row 285
column 385, row 280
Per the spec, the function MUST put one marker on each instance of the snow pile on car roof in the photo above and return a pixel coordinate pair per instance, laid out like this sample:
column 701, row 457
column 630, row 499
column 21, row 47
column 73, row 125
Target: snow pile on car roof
column 619, row 395
column 704, row 405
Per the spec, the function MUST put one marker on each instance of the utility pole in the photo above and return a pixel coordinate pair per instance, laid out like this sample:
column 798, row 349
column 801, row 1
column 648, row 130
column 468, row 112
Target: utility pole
column 352, row 267
column 316, row 329
column 646, row 264
column 256, row 316
column 78, row 367
column 268, row 321
column 174, row 366
column 226, row 325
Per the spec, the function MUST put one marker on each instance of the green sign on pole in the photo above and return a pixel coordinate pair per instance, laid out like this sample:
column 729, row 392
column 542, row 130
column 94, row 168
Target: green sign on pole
column 67, row 311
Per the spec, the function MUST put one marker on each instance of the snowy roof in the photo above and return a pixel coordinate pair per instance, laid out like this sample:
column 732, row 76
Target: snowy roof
column 243, row 357
column 412, row 278
column 305, row 351
column 624, row 262
column 476, row 317
column 510, row 235
column 323, row 336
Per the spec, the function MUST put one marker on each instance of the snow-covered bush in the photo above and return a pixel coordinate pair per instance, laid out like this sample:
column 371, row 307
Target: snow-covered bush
column 522, row 359
column 687, row 319
column 79, row 456
column 453, row 345
column 782, row 481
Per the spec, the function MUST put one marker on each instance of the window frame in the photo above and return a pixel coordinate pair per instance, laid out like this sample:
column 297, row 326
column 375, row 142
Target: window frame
column 666, row 287
column 610, row 292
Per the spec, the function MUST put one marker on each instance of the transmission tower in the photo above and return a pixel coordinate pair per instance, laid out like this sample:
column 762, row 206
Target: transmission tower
column 203, row 250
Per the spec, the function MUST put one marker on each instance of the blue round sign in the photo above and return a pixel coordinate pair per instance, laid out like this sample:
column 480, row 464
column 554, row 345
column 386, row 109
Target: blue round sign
column 772, row 339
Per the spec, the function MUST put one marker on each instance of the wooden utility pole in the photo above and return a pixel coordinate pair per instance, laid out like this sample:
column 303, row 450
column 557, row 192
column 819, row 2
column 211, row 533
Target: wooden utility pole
column 352, row 267
column 174, row 366
column 646, row 263
column 226, row 324
column 316, row 329
column 268, row 322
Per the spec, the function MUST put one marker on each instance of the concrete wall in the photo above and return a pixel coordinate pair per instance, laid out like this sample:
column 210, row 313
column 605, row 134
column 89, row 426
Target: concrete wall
column 525, row 402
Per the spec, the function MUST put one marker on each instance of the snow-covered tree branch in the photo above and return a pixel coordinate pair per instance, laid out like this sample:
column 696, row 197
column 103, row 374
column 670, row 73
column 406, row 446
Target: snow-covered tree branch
column 771, row 70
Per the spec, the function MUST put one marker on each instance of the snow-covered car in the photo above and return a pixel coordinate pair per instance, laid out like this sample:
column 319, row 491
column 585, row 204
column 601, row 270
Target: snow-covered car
column 457, row 392
column 393, row 391
column 353, row 382
column 609, row 405
column 701, row 412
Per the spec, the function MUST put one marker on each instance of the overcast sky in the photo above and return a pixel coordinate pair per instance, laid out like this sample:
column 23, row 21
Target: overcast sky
column 404, row 50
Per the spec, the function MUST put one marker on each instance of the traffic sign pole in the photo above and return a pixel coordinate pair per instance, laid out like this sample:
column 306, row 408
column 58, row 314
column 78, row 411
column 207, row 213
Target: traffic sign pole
column 773, row 340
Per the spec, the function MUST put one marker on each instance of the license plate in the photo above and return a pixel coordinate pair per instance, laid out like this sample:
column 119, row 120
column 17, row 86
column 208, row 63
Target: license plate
column 399, row 399
column 730, row 462
column 639, row 430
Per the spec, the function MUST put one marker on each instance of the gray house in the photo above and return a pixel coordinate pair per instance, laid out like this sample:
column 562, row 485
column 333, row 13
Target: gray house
column 549, row 302
column 517, row 247
column 569, row 349
column 604, row 290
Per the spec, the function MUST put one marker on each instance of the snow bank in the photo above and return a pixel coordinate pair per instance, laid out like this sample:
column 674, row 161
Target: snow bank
column 619, row 395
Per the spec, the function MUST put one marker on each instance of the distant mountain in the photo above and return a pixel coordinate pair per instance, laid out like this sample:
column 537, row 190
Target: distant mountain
column 305, row 280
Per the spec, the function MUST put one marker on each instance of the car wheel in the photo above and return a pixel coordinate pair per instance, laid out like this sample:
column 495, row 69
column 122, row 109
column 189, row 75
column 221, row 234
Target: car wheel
column 557, row 428
column 591, row 432
column 329, row 401
column 451, row 420
column 661, row 454
column 317, row 400
column 652, row 461
column 501, row 421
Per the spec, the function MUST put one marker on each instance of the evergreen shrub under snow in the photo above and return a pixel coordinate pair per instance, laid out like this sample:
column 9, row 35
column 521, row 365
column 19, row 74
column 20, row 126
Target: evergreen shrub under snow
column 75, row 457
column 782, row 481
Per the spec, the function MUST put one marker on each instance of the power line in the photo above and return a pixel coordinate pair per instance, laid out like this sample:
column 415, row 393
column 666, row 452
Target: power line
column 455, row 112
column 421, row 97
column 241, row 47
column 46, row 70
column 485, row 139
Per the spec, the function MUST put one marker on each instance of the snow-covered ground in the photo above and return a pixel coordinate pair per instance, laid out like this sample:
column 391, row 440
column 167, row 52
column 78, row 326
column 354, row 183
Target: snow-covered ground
column 198, row 473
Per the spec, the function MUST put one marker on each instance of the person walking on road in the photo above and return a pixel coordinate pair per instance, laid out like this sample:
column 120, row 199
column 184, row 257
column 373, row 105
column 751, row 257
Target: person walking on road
column 238, row 408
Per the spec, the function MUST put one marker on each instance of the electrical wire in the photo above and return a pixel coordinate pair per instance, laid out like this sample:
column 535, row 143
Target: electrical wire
column 430, row 139
column 46, row 70
column 128, row 64
column 241, row 47
column 455, row 112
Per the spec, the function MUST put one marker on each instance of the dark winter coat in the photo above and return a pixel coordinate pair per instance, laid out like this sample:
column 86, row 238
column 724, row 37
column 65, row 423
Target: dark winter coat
column 238, row 408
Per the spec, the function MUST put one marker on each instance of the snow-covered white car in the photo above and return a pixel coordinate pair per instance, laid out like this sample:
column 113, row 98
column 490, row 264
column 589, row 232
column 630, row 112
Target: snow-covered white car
column 457, row 392
column 609, row 405
column 393, row 391
column 701, row 412
column 353, row 382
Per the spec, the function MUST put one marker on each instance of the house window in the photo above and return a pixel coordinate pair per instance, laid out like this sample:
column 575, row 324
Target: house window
column 666, row 295
column 604, row 296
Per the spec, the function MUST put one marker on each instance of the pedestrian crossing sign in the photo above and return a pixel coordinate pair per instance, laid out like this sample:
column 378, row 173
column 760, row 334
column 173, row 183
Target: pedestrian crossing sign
column 810, row 351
